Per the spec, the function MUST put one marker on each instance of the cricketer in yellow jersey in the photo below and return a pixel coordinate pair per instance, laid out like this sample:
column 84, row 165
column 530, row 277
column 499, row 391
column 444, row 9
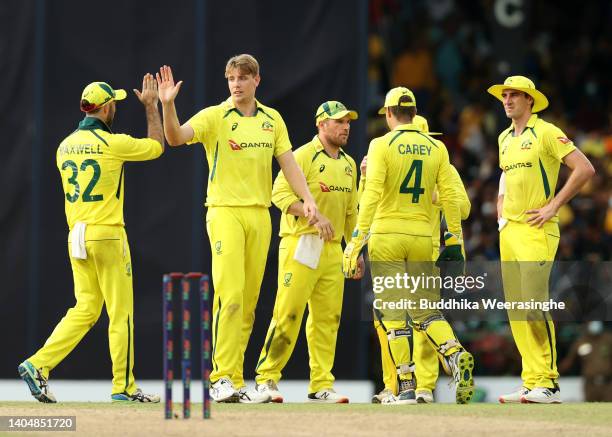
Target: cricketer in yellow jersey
column 425, row 356
column 531, row 151
column 310, row 258
column 404, row 168
column 91, row 164
column 238, row 134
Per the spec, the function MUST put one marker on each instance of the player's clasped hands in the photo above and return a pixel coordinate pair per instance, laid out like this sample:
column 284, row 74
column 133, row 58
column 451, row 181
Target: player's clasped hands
column 324, row 227
column 149, row 94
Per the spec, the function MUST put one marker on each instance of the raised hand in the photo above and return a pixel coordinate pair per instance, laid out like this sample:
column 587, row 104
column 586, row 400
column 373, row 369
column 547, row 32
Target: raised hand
column 364, row 165
column 168, row 90
column 149, row 94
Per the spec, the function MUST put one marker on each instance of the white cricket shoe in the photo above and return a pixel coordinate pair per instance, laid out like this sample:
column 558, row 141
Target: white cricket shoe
column 384, row 394
column 327, row 396
column 514, row 397
column 424, row 397
column 246, row 396
column 389, row 400
column 542, row 395
column 223, row 391
column 270, row 388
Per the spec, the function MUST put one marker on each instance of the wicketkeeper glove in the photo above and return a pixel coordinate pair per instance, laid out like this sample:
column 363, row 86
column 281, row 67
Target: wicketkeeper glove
column 453, row 248
column 453, row 251
column 352, row 251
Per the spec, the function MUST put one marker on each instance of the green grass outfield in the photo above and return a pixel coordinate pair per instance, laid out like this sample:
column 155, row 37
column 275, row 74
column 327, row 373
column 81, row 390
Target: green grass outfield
column 591, row 414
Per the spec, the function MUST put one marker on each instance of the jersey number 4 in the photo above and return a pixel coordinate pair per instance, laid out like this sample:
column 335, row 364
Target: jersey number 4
column 72, row 180
column 416, row 190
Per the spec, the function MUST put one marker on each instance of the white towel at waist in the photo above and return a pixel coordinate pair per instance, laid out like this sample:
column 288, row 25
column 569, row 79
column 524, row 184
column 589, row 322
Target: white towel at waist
column 77, row 242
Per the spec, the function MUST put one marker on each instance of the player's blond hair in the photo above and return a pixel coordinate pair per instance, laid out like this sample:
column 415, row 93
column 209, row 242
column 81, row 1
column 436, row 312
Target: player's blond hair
column 244, row 63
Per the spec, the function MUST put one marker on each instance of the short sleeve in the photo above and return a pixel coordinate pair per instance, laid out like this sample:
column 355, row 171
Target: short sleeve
column 204, row 125
column 556, row 144
column 129, row 148
column 281, row 137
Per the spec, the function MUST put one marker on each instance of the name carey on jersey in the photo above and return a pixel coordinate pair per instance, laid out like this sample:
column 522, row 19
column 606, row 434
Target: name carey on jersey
column 516, row 165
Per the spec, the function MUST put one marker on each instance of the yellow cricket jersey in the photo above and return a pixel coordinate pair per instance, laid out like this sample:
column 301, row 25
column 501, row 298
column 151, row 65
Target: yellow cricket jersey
column 333, row 185
column 239, row 152
column 464, row 206
column 404, row 167
column 90, row 161
column 531, row 162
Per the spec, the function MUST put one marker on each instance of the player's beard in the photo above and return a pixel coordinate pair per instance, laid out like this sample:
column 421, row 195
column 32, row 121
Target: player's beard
column 340, row 141
column 111, row 116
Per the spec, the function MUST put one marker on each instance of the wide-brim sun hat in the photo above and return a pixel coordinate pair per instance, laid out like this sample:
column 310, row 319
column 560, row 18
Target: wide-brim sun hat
column 524, row 84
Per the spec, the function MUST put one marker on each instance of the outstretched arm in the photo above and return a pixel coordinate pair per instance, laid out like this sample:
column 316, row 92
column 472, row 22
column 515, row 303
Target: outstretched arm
column 149, row 97
column 168, row 90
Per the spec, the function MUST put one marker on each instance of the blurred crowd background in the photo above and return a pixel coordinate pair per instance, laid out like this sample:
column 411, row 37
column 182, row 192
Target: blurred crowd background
column 444, row 51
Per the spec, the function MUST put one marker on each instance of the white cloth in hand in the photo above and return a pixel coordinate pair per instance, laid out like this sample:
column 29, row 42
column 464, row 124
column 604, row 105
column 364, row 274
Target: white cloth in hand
column 308, row 250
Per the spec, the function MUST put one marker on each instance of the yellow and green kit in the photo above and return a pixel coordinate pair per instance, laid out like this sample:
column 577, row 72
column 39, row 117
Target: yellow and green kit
column 405, row 166
column 332, row 181
column 91, row 164
column 530, row 161
column 239, row 151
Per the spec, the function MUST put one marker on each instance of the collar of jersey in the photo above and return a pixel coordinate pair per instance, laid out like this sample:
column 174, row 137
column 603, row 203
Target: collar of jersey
column 91, row 123
column 230, row 106
column 530, row 123
column 408, row 126
column 318, row 145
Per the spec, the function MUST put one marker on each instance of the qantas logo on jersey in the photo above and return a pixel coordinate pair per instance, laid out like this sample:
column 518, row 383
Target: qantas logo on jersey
column 329, row 188
column 517, row 165
column 564, row 140
column 235, row 146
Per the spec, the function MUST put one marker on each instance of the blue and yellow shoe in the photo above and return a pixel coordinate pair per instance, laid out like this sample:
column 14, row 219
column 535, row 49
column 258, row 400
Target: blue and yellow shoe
column 137, row 396
column 461, row 364
column 37, row 383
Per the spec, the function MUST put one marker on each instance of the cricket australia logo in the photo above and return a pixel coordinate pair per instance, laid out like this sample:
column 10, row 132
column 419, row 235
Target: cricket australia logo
column 267, row 126
column 128, row 269
column 287, row 282
column 234, row 145
column 348, row 170
column 526, row 145
column 218, row 247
